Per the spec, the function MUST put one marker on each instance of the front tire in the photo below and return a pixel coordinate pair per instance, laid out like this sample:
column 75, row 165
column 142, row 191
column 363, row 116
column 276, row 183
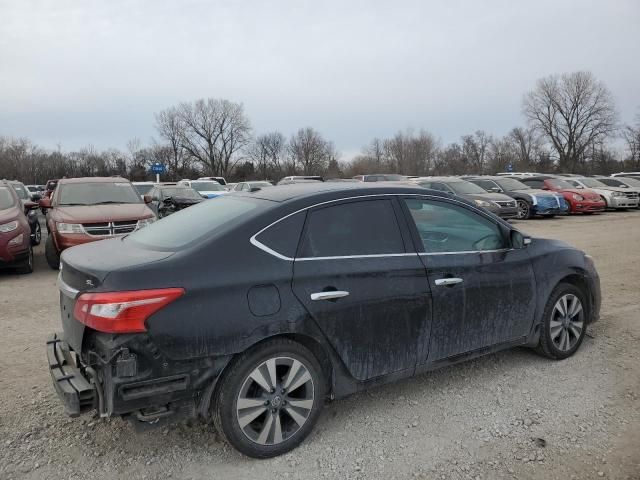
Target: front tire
column 269, row 399
column 27, row 266
column 564, row 322
column 524, row 210
column 51, row 254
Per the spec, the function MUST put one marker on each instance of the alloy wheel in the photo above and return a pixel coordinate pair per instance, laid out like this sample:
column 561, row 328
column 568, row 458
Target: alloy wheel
column 523, row 209
column 275, row 400
column 38, row 234
column 567, row 322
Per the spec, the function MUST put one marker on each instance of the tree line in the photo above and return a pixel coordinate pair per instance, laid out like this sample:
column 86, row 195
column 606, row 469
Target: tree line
column 571, row 121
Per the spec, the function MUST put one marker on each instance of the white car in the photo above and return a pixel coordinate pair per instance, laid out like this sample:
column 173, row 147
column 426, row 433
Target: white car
column 626, row 174
column 206, row 188
column 220, row 180
column 614, row 197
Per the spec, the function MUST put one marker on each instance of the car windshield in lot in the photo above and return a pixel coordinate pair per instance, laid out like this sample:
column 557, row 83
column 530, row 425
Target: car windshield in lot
column 633, row 182
column 559, row 183
column 143, row 188
column 592, row 183
column 462, row 188
column 21, row 191
column 260, row 184
column 6, row 199
column 180, row 192
column 95, row 193
column 510, row 184
column 207, row 187
column 195, row 223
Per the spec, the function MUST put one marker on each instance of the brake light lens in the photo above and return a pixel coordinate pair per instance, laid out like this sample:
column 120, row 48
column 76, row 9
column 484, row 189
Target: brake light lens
column 122, row 312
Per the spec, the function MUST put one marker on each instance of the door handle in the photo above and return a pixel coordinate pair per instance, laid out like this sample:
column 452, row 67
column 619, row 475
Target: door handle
column 448, row 281
column 331, row 295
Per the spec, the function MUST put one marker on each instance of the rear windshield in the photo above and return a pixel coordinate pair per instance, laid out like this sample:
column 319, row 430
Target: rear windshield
column 195, row 223
column 207, row 186
column 6, row 199
column 509, row 184
column 95, row 193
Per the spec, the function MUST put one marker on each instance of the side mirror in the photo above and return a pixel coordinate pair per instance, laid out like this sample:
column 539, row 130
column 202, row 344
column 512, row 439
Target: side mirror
column 495, row 190
column 518, row 240
column 45, row 202
column 147, row 198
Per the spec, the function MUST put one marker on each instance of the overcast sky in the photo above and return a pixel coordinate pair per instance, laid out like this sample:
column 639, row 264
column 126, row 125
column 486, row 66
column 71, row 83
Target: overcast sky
column 95, row 72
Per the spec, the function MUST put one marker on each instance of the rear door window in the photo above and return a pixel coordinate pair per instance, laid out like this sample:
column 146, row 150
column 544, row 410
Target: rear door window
column 367, row 227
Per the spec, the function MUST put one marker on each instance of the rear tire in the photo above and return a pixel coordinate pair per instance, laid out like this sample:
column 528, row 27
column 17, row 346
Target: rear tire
column 263, row 420
column 564, row 322
column 27, row 266
column 51, row 254
column 37, row 235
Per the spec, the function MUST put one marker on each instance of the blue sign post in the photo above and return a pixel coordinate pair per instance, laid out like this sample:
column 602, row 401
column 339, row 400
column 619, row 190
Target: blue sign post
column 158, row 168
column 509, row 168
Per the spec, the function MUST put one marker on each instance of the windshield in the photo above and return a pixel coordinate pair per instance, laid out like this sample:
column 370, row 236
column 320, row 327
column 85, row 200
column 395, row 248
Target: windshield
column 633, row 182
column 558, row 183
column 462, row 188
column 260, row 184
column 21, row 191
column 94, row 193
column 207, row 186
column 187, row 226
column 592, row 182
column 180, row 192
column 143, row 188
column 509, row 184
column 6, row 199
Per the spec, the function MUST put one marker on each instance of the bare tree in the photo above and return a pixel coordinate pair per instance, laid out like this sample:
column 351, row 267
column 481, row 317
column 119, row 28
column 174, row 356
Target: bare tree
column 474, row 148
column 631, row 135
column 267, row 152
column 215, row 130
column 573, row 112
column 310, row 151
column 171, row 130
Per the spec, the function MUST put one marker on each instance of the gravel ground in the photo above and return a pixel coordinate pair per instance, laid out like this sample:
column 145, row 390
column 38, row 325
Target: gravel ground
column 508, row 415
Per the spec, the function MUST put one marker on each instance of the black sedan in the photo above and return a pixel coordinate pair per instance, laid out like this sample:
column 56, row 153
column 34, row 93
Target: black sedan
column 286, row 297
column 168, row 199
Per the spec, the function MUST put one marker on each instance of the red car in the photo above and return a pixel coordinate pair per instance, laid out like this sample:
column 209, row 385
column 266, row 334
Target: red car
column 580, row 201
column 15, row 232
column 83, row 210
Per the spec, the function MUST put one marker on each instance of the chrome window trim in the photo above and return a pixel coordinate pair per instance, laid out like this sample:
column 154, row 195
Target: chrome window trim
column 256, row 243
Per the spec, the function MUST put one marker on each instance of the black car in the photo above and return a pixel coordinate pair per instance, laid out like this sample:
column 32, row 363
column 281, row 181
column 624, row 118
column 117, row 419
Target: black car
column 289, row 296
column 30, row 210
column 168, row 199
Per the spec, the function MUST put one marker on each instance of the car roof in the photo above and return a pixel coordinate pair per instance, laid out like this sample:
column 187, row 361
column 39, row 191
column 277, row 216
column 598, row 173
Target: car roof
column 438, row 179
column 282, row 193
column 92, row 180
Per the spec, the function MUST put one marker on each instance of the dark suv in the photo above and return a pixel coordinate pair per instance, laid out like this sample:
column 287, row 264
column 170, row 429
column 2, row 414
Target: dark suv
column 285, row 297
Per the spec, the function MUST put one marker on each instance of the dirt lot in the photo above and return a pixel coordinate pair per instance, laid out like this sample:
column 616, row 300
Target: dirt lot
column 509, row 415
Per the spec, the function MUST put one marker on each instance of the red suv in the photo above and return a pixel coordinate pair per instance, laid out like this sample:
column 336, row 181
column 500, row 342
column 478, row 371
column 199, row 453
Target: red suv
column 15, row 232
column 83, row 210
column 580, row 200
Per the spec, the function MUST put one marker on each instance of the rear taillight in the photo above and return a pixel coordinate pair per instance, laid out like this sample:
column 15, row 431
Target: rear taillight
column 122, row 312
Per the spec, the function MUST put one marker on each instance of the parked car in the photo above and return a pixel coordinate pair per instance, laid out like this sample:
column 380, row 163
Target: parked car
column 220, row 180
column 630, row 184
column 530, row 201
column 580, row 200
column 380, row 177
column 30, row 209
column 84, row 210
column 300, row 179
column 626, row 174
column 614, row 197
column 497, row 203
column 143, row 188
column 319, row 291
column 248, row 186
column 168, row 199
column 35, row 191
column 15, row 245
column 206, row 188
